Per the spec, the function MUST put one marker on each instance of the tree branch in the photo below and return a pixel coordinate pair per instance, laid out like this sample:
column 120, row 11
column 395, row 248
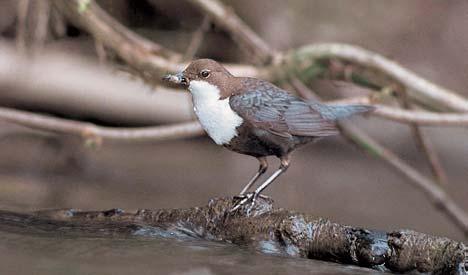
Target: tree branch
column 315, row 60
column 424, row 144
column 267, row 229
column 422, row 118
column 92, row 131
column 197, row 39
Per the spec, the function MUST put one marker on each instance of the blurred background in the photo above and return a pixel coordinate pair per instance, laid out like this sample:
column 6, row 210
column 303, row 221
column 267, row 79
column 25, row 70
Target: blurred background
column 330, row 179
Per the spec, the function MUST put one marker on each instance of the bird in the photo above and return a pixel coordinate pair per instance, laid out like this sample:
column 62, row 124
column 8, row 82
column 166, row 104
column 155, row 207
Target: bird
column 254, row 117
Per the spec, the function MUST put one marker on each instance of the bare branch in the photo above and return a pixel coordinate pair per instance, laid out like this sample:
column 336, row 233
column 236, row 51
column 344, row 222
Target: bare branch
column 21, row 26
column 433, row 159
column 422, row 118
column 424, row 144
column 89, row 130
column 197, row 39
column 41, row 30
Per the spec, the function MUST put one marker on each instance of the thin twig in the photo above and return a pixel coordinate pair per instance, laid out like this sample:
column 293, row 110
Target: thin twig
column 100, row 51
column 92, row 131
column 58, row 25
column 197, row 39
column 41, row 25
column 433, row 159
column 424, row 144
column 21, row 32
column 302, row 89
column 422, row 118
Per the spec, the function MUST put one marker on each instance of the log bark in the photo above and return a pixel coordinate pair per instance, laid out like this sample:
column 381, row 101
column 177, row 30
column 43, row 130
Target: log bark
column 268, row 229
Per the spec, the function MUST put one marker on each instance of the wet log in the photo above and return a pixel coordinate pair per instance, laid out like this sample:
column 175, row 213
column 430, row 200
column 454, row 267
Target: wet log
column 268, row 229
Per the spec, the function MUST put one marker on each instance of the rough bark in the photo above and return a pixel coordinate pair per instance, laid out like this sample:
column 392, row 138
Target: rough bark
column 270, row 230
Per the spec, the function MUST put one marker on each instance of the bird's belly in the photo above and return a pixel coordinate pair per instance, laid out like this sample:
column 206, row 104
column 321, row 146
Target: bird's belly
column 218, row 120
column 259, row 143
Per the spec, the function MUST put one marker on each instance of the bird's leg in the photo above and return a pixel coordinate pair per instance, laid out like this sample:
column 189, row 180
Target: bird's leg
column 252, row 197
column 261, row 170
column 283, row 167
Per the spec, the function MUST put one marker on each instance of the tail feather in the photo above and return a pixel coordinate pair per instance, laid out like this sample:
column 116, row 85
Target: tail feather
column 336, row 112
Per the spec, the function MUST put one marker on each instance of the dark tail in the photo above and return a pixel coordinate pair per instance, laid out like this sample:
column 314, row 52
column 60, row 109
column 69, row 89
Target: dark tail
column 336, row 112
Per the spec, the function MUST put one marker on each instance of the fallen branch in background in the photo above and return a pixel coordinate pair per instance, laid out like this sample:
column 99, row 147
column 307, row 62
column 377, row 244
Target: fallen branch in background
column 96, row 133
column 269, row 230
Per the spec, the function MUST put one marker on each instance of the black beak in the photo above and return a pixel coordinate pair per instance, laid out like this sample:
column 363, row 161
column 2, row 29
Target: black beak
column 178, row 78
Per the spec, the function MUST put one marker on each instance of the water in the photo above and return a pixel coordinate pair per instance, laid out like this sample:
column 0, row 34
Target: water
column 36, row 175
column 30, row 253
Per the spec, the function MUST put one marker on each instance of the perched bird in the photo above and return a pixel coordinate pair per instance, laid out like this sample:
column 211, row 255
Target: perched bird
column 254, row 117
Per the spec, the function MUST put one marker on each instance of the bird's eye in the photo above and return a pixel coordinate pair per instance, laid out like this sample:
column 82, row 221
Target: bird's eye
column 205, row 73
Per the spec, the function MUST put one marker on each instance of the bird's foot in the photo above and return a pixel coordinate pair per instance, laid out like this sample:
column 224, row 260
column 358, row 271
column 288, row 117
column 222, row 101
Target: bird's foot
column 248, row 203
column 248, row 195
column 243, row 200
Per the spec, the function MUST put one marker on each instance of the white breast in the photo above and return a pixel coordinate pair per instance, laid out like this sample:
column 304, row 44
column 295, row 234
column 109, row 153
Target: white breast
column 215, row 115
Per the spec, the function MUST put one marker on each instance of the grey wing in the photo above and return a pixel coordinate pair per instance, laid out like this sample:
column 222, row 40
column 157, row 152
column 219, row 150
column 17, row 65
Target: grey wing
column 281, row 113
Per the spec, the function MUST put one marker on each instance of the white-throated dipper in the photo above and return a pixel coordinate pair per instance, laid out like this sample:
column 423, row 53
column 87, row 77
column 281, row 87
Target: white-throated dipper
column 254, row 117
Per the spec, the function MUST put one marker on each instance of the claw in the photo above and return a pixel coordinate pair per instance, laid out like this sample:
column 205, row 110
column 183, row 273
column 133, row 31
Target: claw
column 243, row 200
column 251, row 199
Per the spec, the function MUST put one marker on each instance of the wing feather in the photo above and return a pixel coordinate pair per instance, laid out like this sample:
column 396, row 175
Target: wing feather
column 273, row 109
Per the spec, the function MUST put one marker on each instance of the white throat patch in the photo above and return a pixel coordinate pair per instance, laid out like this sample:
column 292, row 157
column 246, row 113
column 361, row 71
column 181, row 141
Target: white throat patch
column 214, row 114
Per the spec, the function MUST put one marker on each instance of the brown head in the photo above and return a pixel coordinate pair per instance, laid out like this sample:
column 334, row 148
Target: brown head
column 206, row 70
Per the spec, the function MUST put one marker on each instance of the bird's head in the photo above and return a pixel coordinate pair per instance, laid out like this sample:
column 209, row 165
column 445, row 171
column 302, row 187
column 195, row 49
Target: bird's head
column 202, row 72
